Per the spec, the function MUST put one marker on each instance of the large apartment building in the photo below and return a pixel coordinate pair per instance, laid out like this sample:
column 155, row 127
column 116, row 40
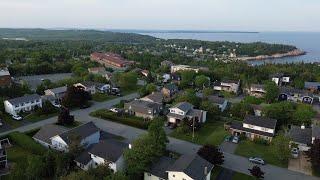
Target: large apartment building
column 111, row 60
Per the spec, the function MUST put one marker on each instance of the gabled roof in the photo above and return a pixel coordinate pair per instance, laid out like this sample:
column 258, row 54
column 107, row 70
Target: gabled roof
column 257, row 86
column 299, row 135
column 48, row 131
column 142, row 106
column 23, row 99
column 260, row 121
column 82, row 131
column 315, row 131
column 230, row 81
column 58, row 90
column 192, row 165
column 183, row 106
column 311, row 85
column 160, row 167
column 156, row 97
column 216, row 99
column 110, row 150
column 90, row 83
column 239, row 126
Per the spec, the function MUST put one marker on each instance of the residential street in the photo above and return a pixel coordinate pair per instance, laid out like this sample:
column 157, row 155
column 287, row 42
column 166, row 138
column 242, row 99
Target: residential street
column 233, row 162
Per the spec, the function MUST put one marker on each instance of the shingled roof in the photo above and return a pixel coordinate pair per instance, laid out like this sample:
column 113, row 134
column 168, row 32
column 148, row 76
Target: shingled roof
column 110, row 150
column 300, row 135
column 160, row 167
column 48, row 131
column 24, row 99
column 260, row 121
column 81, row 131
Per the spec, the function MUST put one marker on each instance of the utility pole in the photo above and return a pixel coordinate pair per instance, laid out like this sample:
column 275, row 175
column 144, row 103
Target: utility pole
column 192, row 129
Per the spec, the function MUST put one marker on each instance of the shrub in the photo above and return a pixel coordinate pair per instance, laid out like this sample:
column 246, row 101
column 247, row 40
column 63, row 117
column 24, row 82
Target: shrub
column 128, row 120
column 26, row 142
column 260, row 141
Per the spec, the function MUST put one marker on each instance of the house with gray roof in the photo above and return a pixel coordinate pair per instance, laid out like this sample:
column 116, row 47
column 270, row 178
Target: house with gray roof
column 46, row 132
column 256, row 90
column 141, row 108
column 312, row 86
column 254, row 127
column 22, row 104
column 104, row 152
column 232, row 86
column 58, row 93
column 191, row 166
column 303, row 136
column 295, row 95
column 185, row 111
column 155, row 97
column 86, row 134
column 169, row 90
column 219, row 101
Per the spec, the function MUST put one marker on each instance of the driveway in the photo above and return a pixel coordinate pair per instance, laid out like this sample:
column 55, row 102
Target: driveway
column 228, row 147
column 233, row 162
column 300, row 164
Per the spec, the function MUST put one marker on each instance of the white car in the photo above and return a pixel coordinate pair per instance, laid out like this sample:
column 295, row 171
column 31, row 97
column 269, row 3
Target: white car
column 56, row 105
column 115, row 110
column 295, row 152
column 257, row 160
column 235, row 139
column 16, row 117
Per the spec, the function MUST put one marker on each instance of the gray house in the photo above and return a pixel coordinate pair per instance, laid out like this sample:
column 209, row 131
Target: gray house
column 144, row 109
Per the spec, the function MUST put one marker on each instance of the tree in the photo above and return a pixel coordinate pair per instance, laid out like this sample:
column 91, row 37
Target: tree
column 100, row 171
column 280, row 146
column 128, row 80
column 281, row 111
column 151, row 88
column 187, row 78
column 210, row 107
column 202, row 81
column 64, row 117
column 212, row 154
column 272, row 91
column 76, row 97
column 158, row 136
column 256, row 172
column 35, row 167
column 303, row 115
column 78, row 175
column 117, row 176
column 189, row 96
column 208, row 92
column 47, row 108
column 241, row 109
column 314, row 155
column 49, row 160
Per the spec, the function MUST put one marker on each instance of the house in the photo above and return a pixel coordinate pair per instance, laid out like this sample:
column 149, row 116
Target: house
column 254, row 127
column 312, row 86
column 145, row 109
column 111, row 60
column 5, row 77
column 256, row 90
column 155, row 97
column 109, row 152
column 58, row 93
column 227, row 85
column 166, row 78
column 257, row 109
column 22, row 104
column 220, row 102
column 145, row 73
column 44, row 135
column 280, row 79
column 185, row 110
column 87, row 134
column 169, row 90
column 177, row 68
column 100, row 71
column 295, row 95
column 90, row 86
column 188, row 167
column 303, row 136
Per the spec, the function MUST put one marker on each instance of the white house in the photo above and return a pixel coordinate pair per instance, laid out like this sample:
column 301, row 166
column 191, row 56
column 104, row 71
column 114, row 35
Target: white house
column 185, row 110
column 280, row 78
column 22, row 104
column 46, row 132
column 87, row 133
column 304, row 136
column 187, row 167
column 228, row 85
column 254, row 127
column 108, row 152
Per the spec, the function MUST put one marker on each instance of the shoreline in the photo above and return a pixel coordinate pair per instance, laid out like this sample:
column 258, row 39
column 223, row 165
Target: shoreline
column 296, row 52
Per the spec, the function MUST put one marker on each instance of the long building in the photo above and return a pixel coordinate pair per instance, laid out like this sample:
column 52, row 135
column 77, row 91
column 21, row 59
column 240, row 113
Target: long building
column 110, row 60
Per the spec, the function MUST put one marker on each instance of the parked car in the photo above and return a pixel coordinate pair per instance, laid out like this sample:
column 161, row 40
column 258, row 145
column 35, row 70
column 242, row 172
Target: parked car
column 257, row 160
column 235, row 139
column 228, row 138
column 295, row 152
column 57, row 105
column 17, row 117
column 115, row 110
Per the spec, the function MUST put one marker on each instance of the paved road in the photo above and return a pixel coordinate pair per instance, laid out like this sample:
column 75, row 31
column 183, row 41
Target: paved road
column 233, row 162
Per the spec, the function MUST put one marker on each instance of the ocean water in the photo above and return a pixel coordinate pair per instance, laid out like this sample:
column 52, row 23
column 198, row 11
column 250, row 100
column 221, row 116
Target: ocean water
column 307, row 41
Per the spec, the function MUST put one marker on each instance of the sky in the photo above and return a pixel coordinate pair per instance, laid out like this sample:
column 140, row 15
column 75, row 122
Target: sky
column 231, row 15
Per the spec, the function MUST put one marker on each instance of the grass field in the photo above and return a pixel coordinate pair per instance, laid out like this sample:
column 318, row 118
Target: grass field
column 212, row 132
column 240, row 176
column 248, row 148
column 35, row 118
column 101, row 97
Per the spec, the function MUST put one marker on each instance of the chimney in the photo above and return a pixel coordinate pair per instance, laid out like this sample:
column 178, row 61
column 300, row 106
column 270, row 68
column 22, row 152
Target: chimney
column 205, row 170
column 302, row 126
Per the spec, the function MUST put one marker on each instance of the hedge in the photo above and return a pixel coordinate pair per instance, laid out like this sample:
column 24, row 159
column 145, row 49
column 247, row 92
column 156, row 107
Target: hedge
column 26, row 142
column 123, row 119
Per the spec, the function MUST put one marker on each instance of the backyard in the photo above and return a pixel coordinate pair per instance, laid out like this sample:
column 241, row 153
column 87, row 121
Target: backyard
column 248, row 149
column 212, row 132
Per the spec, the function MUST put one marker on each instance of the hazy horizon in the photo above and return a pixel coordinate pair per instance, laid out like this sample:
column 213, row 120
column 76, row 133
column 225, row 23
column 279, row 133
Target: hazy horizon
column 188, row 15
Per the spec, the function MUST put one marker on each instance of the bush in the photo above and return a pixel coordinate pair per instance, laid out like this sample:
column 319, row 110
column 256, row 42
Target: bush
column 124, row 119
column 26, row 142
column 261, row 141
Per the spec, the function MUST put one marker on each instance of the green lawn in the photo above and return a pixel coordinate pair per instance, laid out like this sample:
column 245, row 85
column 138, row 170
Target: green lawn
column 17, row 154
column 215, row 172
column 248, row 148
column 35, row 118
column 212, row 132
column 240, row 176
column 11, row 122
column 101, row 97
column 123, row 119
